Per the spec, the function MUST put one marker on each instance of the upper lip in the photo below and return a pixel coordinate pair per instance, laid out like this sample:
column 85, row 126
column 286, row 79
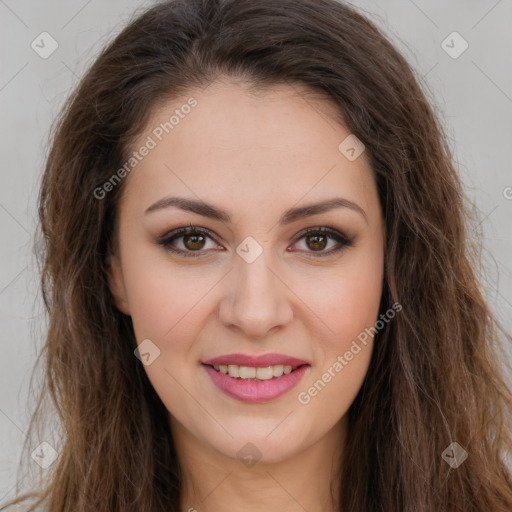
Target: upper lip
column 256, row 361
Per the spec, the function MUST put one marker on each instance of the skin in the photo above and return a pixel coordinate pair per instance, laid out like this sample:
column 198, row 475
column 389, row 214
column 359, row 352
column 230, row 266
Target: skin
column 255, row 156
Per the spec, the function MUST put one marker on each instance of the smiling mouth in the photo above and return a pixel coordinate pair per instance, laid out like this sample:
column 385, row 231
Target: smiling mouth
column 255, row 373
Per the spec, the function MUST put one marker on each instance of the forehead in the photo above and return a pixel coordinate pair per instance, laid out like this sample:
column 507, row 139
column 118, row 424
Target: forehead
column 281, row 141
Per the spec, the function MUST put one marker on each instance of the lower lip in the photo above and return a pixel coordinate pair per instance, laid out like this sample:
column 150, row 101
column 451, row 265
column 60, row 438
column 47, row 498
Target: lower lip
column 256, row 391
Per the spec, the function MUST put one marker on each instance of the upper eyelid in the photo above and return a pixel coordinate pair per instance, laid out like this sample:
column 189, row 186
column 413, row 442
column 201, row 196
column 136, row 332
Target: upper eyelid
column 180, row 232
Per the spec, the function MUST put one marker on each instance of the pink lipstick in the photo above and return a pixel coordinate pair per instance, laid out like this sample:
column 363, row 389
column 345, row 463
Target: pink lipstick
column 256, row 379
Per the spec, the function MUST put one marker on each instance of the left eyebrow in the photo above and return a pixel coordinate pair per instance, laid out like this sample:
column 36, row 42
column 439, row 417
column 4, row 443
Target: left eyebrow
column 292, row 215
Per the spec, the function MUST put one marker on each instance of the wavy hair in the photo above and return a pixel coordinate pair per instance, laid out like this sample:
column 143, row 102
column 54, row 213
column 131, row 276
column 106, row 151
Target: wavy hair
column 435, row 375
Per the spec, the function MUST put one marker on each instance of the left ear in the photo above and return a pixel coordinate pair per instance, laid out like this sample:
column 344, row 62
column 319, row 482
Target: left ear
column 116, row 284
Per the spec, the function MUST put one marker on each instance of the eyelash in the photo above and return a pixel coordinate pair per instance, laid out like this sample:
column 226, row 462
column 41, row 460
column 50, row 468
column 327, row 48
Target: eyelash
column 332, row 233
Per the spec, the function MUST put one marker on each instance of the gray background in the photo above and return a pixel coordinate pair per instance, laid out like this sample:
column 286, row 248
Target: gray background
column 473, row 94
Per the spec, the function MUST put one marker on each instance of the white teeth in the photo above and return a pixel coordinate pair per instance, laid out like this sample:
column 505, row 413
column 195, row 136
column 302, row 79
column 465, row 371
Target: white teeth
column 234, row 370
column 250, row 372
column 265, row 373
column 278, row 370
column 246, row 372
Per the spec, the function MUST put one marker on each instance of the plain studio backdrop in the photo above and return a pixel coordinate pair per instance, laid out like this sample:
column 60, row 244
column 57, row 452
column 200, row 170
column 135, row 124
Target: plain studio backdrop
column 461, row 49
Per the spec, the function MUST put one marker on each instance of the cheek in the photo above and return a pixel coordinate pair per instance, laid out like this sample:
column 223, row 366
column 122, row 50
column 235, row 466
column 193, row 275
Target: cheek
column 351, row 309
column 355, row 303
column 164, row 301
column 348, row 300
column 166, row 308
column 346, row 351
column 349, row 304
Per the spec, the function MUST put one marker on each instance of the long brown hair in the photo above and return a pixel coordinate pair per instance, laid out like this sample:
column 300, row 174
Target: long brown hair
column 435, row 375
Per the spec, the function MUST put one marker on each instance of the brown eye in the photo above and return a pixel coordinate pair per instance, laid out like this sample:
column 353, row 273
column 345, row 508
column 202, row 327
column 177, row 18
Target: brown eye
column 194, row 242
column 316, row 242
column 317, row 239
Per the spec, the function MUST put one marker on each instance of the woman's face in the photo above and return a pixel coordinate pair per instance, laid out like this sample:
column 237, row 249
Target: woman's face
column 246, row 171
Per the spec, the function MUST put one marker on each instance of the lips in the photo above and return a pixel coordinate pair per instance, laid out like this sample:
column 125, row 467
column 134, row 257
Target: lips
column 253, row 389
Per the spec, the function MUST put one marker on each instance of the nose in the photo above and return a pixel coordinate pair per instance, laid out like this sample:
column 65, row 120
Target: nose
column 256, row 298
